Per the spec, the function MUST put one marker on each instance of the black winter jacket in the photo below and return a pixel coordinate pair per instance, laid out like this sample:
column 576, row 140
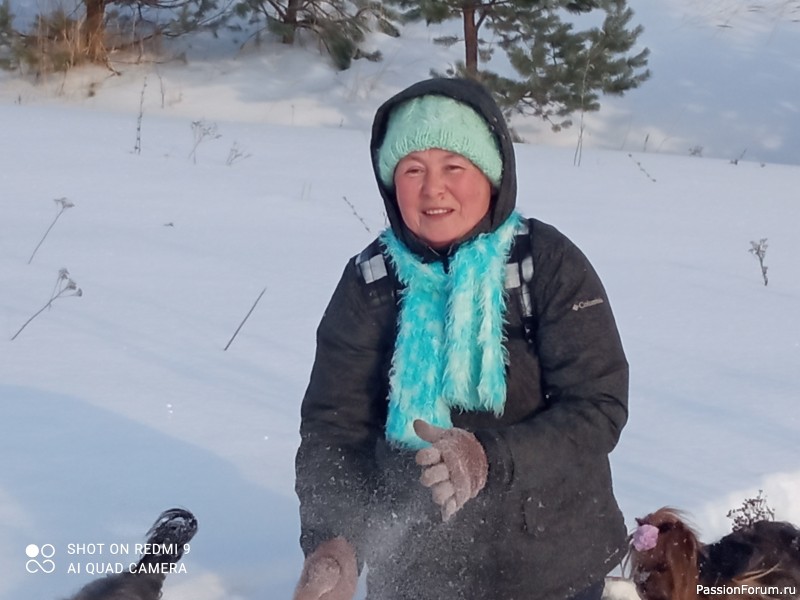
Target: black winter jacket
column 547, row 524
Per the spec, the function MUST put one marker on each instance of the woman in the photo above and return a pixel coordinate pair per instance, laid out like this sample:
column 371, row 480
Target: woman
column 468, row 386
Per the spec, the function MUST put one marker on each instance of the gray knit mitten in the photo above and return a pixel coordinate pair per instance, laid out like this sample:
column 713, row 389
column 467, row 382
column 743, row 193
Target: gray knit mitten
column 454, row 467
column 329, row 573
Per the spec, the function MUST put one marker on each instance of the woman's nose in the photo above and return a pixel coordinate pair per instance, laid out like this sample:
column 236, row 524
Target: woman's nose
column 433, row 184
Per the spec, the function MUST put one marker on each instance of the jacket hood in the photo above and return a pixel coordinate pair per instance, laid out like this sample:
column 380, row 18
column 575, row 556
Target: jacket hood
column 504, row 196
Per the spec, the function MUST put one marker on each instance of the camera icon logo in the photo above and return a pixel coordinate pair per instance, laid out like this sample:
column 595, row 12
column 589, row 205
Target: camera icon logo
column 39, row 558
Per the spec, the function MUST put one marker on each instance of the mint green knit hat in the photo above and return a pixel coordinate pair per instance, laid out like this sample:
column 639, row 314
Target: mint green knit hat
column 438, row 122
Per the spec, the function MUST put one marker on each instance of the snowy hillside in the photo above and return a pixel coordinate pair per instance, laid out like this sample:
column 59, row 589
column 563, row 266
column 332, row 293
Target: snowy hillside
column 121, row 402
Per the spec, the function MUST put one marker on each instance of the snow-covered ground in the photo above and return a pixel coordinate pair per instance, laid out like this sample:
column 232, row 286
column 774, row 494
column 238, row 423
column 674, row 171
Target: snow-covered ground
column 122, row 402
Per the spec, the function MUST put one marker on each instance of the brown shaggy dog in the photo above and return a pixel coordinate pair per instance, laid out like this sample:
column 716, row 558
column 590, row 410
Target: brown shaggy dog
column 757, row 562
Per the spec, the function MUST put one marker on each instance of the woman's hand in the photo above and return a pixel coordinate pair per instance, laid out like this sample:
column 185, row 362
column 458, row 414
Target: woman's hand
column 329, row 573
column 454, row 467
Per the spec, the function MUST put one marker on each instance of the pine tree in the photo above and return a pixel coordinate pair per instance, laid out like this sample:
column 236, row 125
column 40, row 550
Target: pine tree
column 560, row 70
column 9, row 38
column 340, row 26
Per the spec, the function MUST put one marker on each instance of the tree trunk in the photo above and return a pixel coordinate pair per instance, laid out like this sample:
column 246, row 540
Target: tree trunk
column 94, row 30
column 471, row 41
column 292, row 9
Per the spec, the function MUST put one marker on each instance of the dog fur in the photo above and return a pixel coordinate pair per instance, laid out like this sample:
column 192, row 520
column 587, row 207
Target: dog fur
column 740, row 566
column 173, row 528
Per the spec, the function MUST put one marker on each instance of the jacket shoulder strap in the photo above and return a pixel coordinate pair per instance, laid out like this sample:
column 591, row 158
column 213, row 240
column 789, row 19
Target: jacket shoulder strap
column 519, row 278
column 381, row 284
column 376, row 274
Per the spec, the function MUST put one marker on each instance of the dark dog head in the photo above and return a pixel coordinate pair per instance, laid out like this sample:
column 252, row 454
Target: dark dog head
column 764, row 553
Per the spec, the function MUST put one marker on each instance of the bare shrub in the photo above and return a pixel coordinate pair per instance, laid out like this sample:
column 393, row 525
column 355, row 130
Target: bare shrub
column 751, row 511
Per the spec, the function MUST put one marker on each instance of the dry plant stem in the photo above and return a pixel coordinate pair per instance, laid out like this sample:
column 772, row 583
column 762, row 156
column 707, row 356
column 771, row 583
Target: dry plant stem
column 642, row 169
column 161, row 89
column 760, row 251
column 247, row 316
column 65, row 204
column 36, row 314
column 235, row 154
column 763, row 270
column 201, row 130
column 355, row 212
column 69, row 287
column 576, row 160
column 137, row 148
column 751, row 511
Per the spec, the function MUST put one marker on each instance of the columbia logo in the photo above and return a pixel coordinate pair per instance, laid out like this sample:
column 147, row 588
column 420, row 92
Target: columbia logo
column 586, row 304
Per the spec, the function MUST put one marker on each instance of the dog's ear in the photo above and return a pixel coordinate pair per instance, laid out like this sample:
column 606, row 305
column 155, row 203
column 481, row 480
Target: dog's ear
column 681, row 548
column 728, row 558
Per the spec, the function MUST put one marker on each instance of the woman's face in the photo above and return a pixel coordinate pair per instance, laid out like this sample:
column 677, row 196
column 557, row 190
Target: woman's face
column 441, row 195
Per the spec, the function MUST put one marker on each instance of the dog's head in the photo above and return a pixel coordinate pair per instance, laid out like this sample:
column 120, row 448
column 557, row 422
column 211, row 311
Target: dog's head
column 663, row 557
column 764, row 553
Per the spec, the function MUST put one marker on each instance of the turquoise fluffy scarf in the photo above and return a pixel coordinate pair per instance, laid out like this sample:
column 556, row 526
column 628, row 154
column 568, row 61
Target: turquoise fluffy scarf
column 449, row 351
